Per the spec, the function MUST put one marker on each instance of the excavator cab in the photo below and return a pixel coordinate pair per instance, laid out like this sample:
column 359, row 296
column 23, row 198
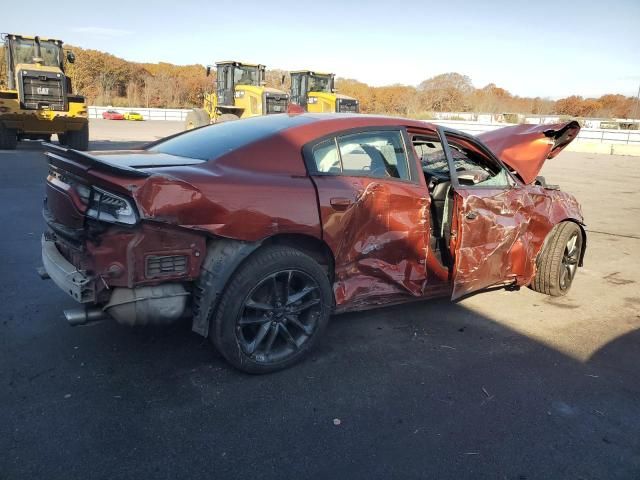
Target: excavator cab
column 36, row 95
column 231, row 74
column 315, row 92
column 239, row 92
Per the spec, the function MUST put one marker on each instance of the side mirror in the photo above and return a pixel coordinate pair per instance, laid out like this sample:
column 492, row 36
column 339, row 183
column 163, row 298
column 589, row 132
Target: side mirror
column 71, row 57
column 208, row 70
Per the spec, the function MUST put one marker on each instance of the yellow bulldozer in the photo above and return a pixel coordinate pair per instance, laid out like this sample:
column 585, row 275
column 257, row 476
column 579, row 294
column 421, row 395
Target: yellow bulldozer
column 240, row 92
column 36, row 99
column 315, row 92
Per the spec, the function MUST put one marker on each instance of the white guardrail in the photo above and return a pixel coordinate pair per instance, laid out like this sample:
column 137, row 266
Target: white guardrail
column 592, row 135
column 171, row 114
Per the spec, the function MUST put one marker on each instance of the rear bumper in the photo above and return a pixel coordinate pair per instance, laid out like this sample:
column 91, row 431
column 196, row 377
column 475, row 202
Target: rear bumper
column 65, row 275
column 161, row 304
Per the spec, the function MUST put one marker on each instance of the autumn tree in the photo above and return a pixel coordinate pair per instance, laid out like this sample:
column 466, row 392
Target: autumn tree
column 105, row 79
column 576, row 106
column 447, row 92
column 279, row 79
column 363, row 92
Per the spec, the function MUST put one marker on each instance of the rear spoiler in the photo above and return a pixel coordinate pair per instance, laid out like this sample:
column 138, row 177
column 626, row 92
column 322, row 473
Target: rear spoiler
column 64, row 155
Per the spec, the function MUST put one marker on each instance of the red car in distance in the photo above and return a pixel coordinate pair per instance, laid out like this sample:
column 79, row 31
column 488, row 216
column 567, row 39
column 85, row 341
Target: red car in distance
column 260, row 229
column 112, row 115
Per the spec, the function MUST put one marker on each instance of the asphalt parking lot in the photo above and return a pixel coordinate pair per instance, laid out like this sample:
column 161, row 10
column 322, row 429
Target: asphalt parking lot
column 503, row 385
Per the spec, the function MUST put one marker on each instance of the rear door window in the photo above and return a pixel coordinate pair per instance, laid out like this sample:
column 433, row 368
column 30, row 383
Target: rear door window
column 377, row 154
column 374, row 154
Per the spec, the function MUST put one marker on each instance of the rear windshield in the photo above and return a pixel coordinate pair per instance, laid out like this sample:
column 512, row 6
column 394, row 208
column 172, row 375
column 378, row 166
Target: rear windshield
column 209, row 143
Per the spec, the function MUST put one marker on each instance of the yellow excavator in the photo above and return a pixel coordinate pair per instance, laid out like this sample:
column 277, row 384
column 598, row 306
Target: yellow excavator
column 315, row 92
column 36, row 99
column 240, row 92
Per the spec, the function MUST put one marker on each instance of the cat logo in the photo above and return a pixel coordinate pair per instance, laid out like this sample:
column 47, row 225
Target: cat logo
column 42, row 90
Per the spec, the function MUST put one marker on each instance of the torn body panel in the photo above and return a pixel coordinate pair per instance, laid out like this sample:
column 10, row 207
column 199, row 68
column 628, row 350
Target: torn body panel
column 378, row 231
column 525, row 148
column 501, row 233
column 132, row 257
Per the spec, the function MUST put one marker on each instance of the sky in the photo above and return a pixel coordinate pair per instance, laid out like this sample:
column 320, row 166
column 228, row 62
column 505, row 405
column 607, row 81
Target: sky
column 532, row 48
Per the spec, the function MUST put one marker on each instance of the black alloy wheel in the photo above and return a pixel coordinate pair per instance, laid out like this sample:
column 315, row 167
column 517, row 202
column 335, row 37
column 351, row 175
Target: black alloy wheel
column 279, row 315
column 273, row 311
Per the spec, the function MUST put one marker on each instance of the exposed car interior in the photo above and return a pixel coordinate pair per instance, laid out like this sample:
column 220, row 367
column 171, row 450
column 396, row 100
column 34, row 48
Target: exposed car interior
column 436, row 173
column 472, row 170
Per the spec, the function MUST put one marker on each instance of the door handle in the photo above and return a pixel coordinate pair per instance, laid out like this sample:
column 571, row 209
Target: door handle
column 471, row 215
column 340, row 203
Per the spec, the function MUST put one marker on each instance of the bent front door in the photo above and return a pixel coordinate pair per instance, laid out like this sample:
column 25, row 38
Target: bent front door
column 489, row 221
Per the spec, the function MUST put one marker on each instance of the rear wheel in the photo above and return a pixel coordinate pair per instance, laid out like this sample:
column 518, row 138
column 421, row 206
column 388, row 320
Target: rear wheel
column 558, row 263
column 77, row 139
column 8, row 138
column 273, row 311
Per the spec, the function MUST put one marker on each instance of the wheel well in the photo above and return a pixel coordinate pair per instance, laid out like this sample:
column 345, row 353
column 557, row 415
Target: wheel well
column 225, row 256
column 584, row 239
column 314, row 247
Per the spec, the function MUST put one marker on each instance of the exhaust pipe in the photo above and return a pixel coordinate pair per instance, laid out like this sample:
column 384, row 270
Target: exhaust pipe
column 84, row 315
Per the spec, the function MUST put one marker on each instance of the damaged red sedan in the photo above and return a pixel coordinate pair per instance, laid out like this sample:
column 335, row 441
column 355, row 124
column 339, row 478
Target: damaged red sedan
column 260, row 229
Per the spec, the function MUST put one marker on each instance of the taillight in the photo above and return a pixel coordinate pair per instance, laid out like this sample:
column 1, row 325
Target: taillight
column 109, row 207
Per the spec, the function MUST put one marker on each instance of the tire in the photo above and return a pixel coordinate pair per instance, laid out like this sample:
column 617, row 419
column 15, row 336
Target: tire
column 77, row 139
column 558, row 262
column 259, row 327
column 8, row 138
column 227, row 117
column 197, row 117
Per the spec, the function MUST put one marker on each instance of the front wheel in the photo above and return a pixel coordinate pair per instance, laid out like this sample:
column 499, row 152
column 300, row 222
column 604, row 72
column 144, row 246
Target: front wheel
column 558, row 262
column 273, row 311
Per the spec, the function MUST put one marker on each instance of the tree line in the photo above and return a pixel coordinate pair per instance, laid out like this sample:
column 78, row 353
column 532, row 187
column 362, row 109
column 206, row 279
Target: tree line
column 109, row 80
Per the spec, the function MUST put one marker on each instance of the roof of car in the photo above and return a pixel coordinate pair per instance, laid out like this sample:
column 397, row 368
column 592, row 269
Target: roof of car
column 216, row 140
column 282, row 122
column 327, row 123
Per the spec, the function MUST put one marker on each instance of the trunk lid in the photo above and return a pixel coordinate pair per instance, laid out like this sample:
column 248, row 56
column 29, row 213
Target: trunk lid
column 525, row 148
column 72, row 175
column 138, row 159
